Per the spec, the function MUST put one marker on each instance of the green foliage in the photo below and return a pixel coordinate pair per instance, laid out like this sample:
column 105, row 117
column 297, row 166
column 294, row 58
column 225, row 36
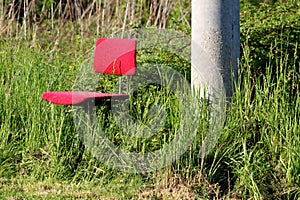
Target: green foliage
column 270, row 31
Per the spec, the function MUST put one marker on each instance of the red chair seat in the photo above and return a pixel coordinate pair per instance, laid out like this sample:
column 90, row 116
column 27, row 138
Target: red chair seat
column 77, row 98
column 112, row 56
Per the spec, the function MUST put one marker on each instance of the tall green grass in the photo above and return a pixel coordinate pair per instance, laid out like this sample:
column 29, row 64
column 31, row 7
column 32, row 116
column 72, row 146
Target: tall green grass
column 257, row 156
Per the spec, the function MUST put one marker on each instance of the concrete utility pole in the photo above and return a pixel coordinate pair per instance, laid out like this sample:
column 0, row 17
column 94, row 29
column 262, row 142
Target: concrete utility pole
column 215, row 45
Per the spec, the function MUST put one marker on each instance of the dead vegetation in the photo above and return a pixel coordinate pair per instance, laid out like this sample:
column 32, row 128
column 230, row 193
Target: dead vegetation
column 22, row 17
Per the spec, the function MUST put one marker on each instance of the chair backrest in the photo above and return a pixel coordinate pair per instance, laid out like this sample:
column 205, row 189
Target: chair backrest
column 115, row 56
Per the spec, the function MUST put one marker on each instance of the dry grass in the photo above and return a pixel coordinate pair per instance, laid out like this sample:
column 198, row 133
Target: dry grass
column 97, row 16
column 173, row 185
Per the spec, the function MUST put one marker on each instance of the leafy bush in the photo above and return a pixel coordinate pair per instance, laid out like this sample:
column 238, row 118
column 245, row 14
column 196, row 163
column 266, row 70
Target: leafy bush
column 270, row 31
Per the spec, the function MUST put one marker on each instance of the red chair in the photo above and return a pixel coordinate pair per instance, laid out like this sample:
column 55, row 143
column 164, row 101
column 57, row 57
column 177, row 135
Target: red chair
column 112, row 56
